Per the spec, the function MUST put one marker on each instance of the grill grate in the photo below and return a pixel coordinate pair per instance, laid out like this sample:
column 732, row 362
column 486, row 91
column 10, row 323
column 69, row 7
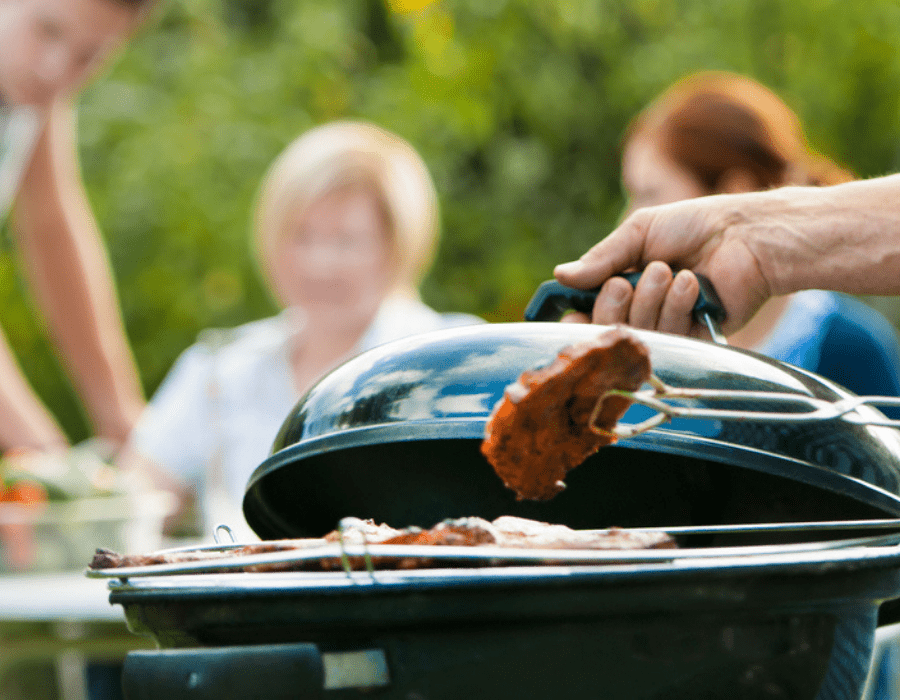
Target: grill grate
column 219, row 558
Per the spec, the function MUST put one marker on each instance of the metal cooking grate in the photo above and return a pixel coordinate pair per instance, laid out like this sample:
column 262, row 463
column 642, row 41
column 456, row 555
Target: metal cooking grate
column 490, row 555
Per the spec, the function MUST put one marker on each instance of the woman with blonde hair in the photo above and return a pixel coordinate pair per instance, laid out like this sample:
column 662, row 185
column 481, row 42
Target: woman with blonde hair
column 346, row 226
column 717, row 133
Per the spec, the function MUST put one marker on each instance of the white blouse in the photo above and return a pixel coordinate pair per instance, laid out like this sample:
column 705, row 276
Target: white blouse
column 217, row 413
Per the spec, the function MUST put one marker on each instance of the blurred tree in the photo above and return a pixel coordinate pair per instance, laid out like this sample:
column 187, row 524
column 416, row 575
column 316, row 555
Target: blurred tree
column 518, row 106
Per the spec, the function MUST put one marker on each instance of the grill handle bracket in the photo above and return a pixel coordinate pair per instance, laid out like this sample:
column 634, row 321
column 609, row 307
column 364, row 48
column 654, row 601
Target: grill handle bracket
column 270, row 670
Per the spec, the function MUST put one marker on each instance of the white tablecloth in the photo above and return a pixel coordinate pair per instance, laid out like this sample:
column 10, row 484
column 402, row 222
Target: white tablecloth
column 56, row 597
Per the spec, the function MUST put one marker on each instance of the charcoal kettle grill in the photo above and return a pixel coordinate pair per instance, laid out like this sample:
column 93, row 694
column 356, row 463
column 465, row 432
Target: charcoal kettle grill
column 788, row 533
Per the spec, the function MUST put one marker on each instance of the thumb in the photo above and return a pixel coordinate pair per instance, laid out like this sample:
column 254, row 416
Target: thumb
column 621, row 250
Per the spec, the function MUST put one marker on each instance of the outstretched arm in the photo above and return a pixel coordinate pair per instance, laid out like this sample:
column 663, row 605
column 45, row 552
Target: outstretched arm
column 24, row 421
column 67, row 265
column 751, row 246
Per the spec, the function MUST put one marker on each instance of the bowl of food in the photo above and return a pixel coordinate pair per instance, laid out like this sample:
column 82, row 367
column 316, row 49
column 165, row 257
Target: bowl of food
column 57, row 509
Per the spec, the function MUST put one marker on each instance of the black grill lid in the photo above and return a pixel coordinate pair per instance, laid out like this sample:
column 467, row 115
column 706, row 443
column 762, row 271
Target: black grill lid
column 394, row 433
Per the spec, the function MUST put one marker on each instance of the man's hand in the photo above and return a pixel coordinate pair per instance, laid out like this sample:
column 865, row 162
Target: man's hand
column 707, row 235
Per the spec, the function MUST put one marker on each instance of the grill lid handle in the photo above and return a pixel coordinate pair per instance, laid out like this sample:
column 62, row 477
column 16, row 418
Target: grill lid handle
column 552, row 300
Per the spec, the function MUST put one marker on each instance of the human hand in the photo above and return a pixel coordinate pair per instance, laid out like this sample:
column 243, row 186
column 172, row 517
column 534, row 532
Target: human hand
column 147, row 476
column 708, row 235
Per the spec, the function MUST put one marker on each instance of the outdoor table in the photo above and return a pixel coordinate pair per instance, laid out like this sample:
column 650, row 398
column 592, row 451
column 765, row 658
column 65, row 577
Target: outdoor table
column 51, row 627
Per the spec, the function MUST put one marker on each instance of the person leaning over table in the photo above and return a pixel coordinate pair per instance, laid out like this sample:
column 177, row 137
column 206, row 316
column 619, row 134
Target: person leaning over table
column 346, row 226
column 719, row 132
column 49, row 50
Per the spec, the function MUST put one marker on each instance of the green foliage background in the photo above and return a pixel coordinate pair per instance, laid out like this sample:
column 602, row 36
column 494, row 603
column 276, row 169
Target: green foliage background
column 518, row 106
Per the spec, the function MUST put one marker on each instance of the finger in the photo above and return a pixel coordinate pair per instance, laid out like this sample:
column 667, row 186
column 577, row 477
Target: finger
column 676, row 315
column 613, row 301
column 621, row 250
column 649, row 296
column 575, row 317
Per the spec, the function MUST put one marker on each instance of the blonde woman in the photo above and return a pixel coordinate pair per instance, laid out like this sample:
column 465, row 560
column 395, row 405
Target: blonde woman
column 346, row 226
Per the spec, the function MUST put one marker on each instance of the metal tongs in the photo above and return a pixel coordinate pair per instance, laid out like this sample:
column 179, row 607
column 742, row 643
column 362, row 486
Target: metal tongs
column 552, row 300
column 816, row 409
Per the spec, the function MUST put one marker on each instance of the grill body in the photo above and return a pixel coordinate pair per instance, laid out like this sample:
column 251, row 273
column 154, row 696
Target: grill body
column 799, row 626
column 393, row 435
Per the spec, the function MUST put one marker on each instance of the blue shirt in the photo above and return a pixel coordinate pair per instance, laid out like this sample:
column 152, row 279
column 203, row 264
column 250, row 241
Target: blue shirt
column 842, row 339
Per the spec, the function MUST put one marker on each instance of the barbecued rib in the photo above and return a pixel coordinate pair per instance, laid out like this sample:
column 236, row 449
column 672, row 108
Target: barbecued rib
column 506, row 531
column 540, row 430
column 108, row 559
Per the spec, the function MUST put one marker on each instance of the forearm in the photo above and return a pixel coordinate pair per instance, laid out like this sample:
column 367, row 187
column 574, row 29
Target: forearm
column 73, row 283
column 74, row 288
column 24, row 421
column 845, row 237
